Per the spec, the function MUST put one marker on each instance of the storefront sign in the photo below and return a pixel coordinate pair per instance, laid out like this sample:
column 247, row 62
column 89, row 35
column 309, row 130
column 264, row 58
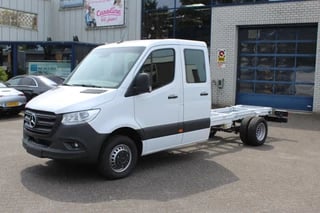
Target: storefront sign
column 104, row 13
column 62, row 69
column 71, row 3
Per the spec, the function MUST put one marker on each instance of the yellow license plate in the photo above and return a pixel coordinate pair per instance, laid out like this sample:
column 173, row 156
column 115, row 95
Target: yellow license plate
column 12, row 104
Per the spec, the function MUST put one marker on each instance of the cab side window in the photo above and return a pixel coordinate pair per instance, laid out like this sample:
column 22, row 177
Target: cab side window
column 160, row 66
column 195, row 67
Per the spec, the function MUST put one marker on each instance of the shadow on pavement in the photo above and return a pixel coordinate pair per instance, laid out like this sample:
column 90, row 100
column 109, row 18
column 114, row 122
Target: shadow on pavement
column 162, row 176
column 301, row 121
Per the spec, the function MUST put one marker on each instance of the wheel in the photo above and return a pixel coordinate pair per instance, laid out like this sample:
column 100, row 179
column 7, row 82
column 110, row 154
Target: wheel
column 244, row 129
column 257, row 131
column 118, row 157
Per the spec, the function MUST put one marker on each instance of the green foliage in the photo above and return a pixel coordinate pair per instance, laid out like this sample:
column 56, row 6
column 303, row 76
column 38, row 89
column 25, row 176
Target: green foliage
column 3, row 75
column 150, row 4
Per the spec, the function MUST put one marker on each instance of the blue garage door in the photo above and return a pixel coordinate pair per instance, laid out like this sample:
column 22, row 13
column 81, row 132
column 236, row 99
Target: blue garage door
column 276, row 66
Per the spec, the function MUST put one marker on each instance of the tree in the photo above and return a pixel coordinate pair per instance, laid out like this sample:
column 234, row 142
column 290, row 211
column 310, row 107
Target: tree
column 3, row 74
column 150, row 4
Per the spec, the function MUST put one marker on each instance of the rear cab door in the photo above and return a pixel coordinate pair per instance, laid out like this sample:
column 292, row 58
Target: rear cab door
column 196, row 93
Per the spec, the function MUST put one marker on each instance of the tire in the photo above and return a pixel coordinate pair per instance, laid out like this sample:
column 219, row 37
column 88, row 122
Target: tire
column 212, row 133
column 244, row 130
column 118, row 157
column 257, row 131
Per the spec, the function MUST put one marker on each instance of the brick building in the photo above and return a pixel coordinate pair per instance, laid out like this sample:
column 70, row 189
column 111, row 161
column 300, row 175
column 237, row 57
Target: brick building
column 262, row 52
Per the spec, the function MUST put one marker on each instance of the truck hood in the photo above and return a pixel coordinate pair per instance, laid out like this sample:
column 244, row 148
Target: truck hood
column 69, row 98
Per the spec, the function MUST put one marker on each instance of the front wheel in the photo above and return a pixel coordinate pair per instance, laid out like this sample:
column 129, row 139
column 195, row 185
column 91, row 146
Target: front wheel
column 118, row 157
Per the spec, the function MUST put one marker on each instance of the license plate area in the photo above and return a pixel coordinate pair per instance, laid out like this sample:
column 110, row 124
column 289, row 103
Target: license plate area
column 12, row 104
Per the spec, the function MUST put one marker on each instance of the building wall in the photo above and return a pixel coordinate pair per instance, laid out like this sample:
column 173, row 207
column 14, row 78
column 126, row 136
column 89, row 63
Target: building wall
column 63, row 24
column 39, row 7
column 224, row 35
column 69, row 22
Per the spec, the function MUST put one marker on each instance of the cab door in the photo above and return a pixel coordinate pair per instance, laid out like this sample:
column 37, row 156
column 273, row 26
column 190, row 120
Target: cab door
column 197, row 94
column 159, row 113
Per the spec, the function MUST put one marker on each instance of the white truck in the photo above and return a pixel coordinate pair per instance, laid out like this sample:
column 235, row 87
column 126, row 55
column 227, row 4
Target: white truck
column 134, row 98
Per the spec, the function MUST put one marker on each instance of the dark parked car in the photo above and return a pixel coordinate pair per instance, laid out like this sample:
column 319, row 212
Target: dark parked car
column 33, row 85
column 11, row 100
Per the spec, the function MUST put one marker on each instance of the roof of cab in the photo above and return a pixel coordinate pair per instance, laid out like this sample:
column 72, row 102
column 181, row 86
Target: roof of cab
column 154, row 42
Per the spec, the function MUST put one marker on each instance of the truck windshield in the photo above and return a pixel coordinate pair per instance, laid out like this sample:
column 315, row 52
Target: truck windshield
column 105, row 67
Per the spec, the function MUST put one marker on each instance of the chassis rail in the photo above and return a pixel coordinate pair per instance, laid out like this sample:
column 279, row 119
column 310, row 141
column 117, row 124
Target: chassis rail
column 225, row 118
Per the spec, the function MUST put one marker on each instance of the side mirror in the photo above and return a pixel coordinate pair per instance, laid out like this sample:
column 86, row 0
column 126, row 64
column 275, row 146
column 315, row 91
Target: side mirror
column 142, row 83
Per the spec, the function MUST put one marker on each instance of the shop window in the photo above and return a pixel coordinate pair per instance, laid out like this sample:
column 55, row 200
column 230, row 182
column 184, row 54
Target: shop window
column 193, row 23
column 44, row 59
column 158, row 24
column 177, row 19
column 226, row 2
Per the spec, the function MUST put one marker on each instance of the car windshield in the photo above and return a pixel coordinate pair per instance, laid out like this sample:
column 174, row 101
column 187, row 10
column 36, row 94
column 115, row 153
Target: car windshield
column 105, row 67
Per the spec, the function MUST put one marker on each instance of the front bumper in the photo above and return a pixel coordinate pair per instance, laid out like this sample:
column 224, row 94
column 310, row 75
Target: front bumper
column 79, row 142
column 12, row 109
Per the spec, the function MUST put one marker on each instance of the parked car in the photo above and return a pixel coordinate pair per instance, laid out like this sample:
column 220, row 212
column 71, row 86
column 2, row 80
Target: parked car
column 33, row 85
column 11, row 100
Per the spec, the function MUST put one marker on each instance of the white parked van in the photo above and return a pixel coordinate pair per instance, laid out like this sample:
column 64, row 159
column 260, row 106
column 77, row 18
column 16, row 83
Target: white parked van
column 133, row 98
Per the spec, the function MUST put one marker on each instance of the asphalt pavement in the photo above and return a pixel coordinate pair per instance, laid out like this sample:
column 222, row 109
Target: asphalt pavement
column 221, row 175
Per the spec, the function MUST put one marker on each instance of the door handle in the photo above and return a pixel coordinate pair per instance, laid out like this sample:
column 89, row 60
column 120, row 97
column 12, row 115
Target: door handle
column 172, row 96
column 204, row 94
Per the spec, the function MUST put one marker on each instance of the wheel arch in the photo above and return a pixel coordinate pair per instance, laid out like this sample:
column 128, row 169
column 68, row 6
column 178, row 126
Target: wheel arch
column 131, row 133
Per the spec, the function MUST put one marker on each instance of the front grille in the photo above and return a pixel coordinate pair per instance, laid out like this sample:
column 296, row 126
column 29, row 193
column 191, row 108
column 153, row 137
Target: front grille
column 39, row 122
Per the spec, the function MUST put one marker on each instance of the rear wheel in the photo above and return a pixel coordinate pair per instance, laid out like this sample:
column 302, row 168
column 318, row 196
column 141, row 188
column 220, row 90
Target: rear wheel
column 244, row 129
column 118, row 157
column 257, row 131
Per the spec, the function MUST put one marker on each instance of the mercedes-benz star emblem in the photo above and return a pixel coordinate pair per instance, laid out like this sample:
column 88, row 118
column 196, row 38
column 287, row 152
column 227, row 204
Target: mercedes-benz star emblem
column 33, row 120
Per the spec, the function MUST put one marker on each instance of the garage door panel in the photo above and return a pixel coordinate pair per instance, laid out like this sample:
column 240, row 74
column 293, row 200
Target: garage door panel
column 276, row 66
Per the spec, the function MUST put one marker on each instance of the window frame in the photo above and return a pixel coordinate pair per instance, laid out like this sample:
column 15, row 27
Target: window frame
column 196, row 78
column 156, row 74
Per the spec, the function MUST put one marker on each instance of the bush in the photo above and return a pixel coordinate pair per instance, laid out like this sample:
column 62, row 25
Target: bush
column 3, row 74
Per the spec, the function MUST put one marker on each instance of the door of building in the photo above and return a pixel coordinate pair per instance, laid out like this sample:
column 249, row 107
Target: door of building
column 276, row 66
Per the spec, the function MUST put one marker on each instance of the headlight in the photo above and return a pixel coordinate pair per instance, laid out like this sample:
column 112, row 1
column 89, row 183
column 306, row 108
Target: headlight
column 79, row 117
